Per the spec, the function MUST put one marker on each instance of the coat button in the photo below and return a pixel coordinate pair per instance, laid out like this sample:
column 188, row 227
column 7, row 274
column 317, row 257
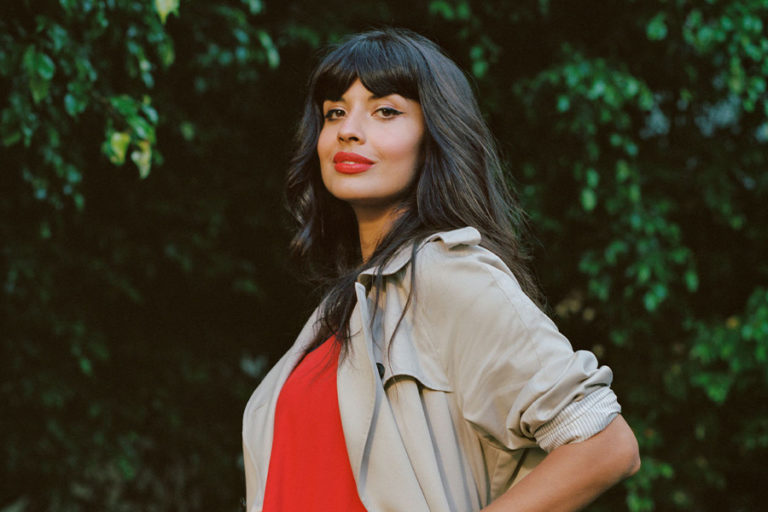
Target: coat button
column 380, row 367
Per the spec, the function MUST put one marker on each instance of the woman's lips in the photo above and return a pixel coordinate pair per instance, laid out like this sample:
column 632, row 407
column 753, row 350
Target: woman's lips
column 351, row 163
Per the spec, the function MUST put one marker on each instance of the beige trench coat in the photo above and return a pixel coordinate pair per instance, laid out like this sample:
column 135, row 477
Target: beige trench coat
column 476, row 381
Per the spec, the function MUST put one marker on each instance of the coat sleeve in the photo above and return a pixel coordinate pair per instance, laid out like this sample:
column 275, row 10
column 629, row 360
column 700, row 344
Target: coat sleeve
column 516, row 378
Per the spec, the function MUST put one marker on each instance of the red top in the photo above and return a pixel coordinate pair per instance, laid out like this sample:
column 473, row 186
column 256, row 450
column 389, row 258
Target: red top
column 309, row 467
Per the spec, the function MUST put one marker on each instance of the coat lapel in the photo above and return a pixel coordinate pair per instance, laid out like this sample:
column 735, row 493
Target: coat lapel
column 384, row 474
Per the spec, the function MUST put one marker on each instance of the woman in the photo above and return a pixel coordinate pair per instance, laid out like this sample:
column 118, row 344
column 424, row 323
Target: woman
column 427, row 379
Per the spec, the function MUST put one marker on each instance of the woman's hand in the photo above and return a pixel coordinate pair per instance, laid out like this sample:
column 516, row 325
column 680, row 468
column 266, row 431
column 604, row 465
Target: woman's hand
column 573, row 475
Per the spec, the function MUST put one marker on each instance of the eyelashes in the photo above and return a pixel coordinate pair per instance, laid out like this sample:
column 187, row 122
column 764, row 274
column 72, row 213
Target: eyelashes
column 334, row 113
column 388, row 112
column 383, row 112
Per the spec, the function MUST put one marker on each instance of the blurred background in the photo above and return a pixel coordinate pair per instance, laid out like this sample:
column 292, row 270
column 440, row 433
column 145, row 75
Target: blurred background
column 146, row 284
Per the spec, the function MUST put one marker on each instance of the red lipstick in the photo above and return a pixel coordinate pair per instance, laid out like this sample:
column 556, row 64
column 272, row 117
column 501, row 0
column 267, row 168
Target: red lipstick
column 351, row 163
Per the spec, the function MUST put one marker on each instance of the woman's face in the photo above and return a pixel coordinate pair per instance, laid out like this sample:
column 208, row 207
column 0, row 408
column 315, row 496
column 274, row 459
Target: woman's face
column 370, row 148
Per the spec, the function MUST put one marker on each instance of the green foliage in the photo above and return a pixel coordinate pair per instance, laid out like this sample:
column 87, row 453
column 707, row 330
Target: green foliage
column 145, row 288
column 115, row 370
column 166, row 7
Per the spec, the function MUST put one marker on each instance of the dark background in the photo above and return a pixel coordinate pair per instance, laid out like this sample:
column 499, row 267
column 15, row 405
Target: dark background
column 146, row 284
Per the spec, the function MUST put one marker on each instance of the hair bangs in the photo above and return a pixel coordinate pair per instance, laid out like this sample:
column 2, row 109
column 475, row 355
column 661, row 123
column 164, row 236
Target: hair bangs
column 383, row 66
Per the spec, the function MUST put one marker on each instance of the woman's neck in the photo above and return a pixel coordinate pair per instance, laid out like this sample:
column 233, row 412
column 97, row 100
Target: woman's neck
column 373, row 226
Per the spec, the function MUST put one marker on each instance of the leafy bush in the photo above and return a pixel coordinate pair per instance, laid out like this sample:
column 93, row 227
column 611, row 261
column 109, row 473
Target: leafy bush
column 145, row 287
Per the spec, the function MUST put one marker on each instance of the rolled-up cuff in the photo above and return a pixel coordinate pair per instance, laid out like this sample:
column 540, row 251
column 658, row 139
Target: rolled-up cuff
column 579, row 420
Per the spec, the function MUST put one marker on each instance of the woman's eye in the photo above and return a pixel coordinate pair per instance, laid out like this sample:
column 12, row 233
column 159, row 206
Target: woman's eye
column 334, row 113
column 388, row 112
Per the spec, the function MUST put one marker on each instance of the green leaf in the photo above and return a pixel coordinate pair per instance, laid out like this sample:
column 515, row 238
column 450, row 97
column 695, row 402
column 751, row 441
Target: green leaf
column 273, row 56
column 650, row 301
column 643, row 273
column 166, row 7
column 657, row 27
column 166, row 52
column 691, row 280
column 28, row 59
column 141, row 127
column 45, row 231
column 118, row 145
column 588, row 199
column 85, row 366
column 39, row 87
column 479, row 68
column 79, row 201
column 150, row 112
column 442, row 8
column 716, row 385
column 40, row 69
column 12, row 137
column 622, row 171
column 187, row 130
column 614, row 250
column 125, row 105
column 59, row 37
column 73, row 104
column 70, row 104
column 593, row 178
column 142, row 157
column 463, row 11
column 44, row 66
column 255, row 6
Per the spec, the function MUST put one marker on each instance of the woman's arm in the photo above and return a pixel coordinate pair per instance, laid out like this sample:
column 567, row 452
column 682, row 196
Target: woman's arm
column 573, row 475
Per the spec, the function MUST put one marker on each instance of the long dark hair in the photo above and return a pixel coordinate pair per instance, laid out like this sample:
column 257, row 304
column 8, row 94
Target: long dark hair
column 460, row 183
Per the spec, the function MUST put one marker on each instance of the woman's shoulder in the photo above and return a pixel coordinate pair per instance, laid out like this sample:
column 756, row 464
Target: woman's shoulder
column 467, row 236
column 462, row 245
column 459, row 254
column 453, row 269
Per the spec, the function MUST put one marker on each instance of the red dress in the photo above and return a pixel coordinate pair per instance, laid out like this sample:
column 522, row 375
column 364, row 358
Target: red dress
column 309, row 467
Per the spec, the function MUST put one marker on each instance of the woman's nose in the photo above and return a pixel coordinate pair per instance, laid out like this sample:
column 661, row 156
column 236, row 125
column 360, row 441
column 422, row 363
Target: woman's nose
column 351, row 128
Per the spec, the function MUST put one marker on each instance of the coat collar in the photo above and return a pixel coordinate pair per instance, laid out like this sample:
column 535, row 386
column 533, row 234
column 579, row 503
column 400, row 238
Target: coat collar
column 462, row 236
